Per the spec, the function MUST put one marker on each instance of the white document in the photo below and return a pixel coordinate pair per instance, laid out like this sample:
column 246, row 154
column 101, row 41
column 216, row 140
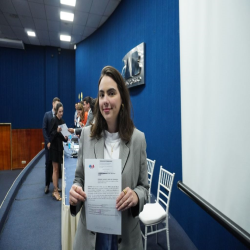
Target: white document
column 103, row 185
column 64, row 131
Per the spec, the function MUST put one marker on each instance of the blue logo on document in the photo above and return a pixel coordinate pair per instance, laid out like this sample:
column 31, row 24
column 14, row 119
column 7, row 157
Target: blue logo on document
column 91, row 166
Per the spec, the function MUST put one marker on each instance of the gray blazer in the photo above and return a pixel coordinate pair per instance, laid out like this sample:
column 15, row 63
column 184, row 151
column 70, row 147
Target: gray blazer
column 78, row 131
column 134, row 175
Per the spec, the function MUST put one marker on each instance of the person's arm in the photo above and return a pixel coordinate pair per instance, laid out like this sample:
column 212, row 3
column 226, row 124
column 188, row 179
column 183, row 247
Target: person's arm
column 136, row 198
column 90, row 118
column 79, row 178
column 52, row 129
column 63, row 138
column 81, row 122
column 142, row 187
column 85, row 118
column 71, row 130
column 77, row 122
column 78, row 131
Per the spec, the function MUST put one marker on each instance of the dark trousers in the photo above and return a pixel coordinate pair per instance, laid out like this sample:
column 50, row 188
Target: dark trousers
column 48, row 168
column 106, row 242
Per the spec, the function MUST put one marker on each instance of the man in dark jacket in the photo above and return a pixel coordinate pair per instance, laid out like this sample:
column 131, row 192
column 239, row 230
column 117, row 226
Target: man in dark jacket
column 48, row 163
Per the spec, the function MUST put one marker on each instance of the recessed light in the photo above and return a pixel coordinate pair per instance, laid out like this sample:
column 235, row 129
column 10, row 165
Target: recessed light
column 68, row 2
column 65, row 38
column 31, row 33
column 66, row 16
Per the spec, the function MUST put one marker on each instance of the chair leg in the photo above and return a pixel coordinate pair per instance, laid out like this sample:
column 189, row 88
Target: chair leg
column 168, row 241
column 156, row 228
column 145, row 240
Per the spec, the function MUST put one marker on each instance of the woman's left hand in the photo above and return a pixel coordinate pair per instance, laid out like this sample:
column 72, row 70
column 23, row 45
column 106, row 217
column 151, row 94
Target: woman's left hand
column 127, row 199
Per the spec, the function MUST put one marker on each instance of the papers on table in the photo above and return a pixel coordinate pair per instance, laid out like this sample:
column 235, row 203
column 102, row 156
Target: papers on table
column 76, row 147
column 64, row 131
column 103, row 186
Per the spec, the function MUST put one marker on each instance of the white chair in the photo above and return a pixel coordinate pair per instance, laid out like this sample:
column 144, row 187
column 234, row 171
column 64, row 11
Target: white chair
column 151, row 165
column 154, row 213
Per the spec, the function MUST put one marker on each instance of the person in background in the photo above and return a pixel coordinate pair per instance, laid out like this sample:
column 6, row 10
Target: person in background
column 81, row 115
column 85, row 118
column 85, row 115
column 92, row 106
column 93, row 109
column 75, row 115
column 48, row 164
column 87, row 102
column 56, row 147
column 112, row 136
column 77, row 125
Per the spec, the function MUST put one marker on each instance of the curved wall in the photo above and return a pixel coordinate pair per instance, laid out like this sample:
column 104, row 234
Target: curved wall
column 157, row 104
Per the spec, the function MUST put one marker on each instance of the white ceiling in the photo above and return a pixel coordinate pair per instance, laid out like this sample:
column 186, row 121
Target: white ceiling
column 43, row 17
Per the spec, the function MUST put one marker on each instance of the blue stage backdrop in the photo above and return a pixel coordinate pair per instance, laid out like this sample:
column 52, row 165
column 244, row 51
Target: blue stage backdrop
column 157, row 103
column 30, row 79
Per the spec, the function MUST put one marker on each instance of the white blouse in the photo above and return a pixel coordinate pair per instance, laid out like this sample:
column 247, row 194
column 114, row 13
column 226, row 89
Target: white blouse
column 111, row 145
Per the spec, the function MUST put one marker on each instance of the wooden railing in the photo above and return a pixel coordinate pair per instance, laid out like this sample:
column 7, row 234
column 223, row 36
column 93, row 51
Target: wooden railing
column 24, row 145
column 5, row 146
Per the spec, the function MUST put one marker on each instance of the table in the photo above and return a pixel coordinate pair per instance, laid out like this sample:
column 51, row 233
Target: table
column 68, row 222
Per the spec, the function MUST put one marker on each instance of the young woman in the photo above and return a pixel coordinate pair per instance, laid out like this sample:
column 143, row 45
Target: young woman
column 82, row 117
column 56, row 147
column 113, row 136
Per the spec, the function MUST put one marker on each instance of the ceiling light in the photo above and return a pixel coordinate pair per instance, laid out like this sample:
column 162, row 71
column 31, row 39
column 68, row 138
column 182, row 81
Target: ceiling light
column 65, row 38
column 75, row 46
column 69, row 2
column 31, row 33
column 67, row 16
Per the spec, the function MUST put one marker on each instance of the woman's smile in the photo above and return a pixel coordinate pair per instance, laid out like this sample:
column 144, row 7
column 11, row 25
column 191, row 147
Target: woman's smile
column 106, row 110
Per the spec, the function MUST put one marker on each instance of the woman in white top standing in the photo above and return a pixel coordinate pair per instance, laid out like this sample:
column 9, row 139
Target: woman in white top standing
column 113, row 136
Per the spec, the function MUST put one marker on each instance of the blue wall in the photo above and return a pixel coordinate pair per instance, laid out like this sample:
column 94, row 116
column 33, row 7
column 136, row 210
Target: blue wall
column 30, row 79
column 157, row 104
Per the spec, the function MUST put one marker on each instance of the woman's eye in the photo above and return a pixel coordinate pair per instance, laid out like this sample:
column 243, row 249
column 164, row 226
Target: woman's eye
column 111, row 93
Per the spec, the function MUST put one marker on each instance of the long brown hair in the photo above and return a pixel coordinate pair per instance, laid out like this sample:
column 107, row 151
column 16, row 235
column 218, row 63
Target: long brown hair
column 124, row 121
column 80, row 107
